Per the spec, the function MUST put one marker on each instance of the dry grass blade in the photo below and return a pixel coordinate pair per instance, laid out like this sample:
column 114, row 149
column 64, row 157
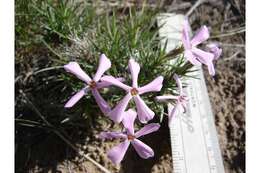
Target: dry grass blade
column 227, row 34
column 196, row 5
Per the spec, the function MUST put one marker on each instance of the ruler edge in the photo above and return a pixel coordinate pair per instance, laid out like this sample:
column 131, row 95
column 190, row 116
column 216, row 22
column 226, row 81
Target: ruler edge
column 210, row 117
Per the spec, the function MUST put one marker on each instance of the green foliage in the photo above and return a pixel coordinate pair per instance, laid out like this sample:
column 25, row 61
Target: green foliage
column 62, row 18
column 131, row 36
column 76, row 31
column 50, row 20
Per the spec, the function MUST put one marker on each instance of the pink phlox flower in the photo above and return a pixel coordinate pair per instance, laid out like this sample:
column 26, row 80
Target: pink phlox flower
column 215, row 50
column 181, row 100
column 91, row 84
column 192, row 53
column 116, row 154
column 144, row 112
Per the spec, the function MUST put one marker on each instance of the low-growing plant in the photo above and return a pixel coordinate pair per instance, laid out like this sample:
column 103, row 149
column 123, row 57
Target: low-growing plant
column 89, row 44
column 148, row 66
column 121, row 38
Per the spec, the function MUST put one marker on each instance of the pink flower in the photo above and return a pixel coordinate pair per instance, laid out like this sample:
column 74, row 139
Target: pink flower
column 91, row 84
column 192, row 53
column 214, row 48
column 116, row 154
column 144, row 112
column 181, row 100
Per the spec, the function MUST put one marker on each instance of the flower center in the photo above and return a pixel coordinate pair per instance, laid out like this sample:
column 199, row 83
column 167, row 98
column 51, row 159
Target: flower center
column 134, row 92
column 130, row 137
column 92, row 84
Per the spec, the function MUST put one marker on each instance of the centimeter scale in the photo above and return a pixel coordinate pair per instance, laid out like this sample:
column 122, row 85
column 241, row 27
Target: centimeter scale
column 194, row 141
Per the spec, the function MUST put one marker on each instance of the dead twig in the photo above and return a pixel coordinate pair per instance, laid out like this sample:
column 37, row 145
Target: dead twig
column 81, row 153
column 227, row 9
column 182, row 6
column 34, row 108
column 196, row 5
column 119, row 4
column 232, row 45
column 31, row 73
column 223, row 45
column 47, row 69
column 17, row 78
column 233, row 56
column 228, row 33
column 236, row 29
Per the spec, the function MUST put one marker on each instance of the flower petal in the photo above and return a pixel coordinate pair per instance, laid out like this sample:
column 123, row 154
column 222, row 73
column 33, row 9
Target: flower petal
column 202, row 56
column 75, row 98
column 205, row 58
column 128, row 121
column 114, row 81
column 185, row 35
column 134, row 68
column 200, row 36
column 104, row 84
column 103, row 105
column 74, row 68
column 117, row 153
column 166, row 98
column 104, row 65
column 153, row 86
column 143, row 111
column 211, row 68
column 117, row 113
column 142, row 149
column 190, row 57
column 112, row 135
column 149, row 128
column 213, row 48
column 178, row 82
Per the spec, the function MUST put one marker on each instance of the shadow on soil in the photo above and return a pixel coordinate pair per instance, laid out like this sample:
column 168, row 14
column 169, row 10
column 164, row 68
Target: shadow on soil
column 37, row 147
column 159, row 141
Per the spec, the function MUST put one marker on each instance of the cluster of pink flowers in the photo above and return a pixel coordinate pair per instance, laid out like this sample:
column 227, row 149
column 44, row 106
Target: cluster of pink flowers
column 197, row 56
column 119, row 114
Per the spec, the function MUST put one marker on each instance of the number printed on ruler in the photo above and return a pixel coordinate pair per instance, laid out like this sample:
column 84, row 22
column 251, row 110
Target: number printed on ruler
column 191, row 143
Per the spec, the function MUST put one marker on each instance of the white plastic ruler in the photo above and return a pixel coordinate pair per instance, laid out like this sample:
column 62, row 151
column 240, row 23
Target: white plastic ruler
column 194, row 141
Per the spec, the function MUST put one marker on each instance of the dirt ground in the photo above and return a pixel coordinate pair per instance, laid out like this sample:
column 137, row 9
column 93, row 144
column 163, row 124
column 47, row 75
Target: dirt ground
column 226, row 91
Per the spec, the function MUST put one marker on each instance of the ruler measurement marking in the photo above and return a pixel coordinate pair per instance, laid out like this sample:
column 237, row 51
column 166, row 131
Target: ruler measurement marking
column 179, row 160
column 211, row 153
column 197, row 134
column 183, row 150
column 203, row 127
column 205, row 143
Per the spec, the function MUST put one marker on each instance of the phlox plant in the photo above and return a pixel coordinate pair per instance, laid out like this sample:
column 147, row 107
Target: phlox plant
column 125, row 113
